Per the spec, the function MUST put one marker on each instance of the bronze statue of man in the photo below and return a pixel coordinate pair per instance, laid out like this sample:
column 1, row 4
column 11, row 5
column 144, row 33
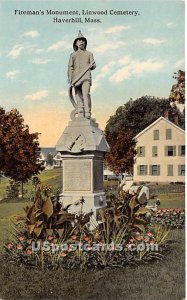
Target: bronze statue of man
column 81, row 63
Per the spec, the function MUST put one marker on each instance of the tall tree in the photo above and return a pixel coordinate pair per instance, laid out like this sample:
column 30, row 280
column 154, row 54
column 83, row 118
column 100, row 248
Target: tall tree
column 19, row 149
column 178, row 90
column 122, row 151
column 137, row 114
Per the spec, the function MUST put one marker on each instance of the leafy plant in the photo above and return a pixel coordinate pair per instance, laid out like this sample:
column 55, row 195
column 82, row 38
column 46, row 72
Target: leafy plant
column 45, row 215
column 126, row 209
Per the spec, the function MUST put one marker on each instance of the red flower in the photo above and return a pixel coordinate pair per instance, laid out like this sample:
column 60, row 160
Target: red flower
column 139, row 238
column 29, row 251
column 70, row 249
column 50, row 238
column 19, row 247
column 149, row 234
column 74, row 237
column 21, row 238
column 63, row 254
column 9, row 245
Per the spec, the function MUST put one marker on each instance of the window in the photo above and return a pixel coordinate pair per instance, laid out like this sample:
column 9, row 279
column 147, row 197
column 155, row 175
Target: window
column 181, row 169
column 181, row 150
column 155, row 134
column 168, row 134
column 170, row 150
column 155, row 170
column 141, row 151
column 170, row 170
column 142, row 169
column 154, row 151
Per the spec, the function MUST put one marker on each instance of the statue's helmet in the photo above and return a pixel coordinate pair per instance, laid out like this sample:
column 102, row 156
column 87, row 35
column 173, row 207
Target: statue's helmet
column 80, row 36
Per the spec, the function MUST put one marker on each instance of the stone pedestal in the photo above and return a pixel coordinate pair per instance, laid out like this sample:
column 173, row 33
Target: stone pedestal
column 83, row 146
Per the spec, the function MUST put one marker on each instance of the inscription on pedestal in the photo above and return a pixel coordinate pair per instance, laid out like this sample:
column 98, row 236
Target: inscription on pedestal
column 77, row 175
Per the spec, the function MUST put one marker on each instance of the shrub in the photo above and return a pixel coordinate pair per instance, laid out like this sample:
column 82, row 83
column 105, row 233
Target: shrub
column 12, row 190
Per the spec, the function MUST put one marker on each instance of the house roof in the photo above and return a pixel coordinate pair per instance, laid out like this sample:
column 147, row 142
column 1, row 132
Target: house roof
column 155, row 122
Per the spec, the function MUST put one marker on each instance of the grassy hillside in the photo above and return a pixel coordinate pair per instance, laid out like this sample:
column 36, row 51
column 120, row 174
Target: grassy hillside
column 53, row 177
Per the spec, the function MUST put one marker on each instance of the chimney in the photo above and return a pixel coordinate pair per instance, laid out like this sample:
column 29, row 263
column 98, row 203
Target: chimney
column 166, row 114
column 176, row 119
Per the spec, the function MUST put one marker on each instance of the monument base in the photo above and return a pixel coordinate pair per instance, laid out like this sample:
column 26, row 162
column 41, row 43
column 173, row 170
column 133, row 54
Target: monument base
column 82, row 147
column 92, row 202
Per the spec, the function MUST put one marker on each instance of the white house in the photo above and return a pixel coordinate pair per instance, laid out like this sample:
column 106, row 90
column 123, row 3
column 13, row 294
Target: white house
column 57, row 159
column 50, row 157
column 160, row 153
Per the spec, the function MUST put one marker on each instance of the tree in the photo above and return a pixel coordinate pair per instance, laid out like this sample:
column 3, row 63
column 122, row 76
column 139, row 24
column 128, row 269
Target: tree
column 49, row 159
column 127, row 122
column 19, row 149
column 122, row 151
column 178, row 90
column 137, row 114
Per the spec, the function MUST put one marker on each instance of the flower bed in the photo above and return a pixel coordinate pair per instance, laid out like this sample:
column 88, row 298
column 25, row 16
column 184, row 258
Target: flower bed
column 173, row 218
column 48, row 236
column 88, row 250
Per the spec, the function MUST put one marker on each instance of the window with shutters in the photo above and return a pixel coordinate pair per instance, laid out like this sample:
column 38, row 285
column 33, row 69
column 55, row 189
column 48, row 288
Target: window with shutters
column 181, row 150
column 170, row 150
column 141, row 151
column 170, row 170
column 181, row 169
column 143, row 169
column 154, row 151
column 155, row 170
column 156, row 134
column 168, row 134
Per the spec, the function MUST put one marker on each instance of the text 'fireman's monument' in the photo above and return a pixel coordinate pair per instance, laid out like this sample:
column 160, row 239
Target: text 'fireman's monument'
column 82, row 143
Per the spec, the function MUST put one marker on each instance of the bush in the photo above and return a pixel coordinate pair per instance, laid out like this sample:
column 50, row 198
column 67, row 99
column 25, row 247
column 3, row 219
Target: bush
column 12, row 190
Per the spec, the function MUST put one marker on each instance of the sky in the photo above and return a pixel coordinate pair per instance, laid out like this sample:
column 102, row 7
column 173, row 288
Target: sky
column 136, row 55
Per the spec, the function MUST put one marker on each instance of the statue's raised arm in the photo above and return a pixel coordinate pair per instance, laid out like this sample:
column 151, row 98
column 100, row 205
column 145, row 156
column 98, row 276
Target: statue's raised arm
column 81, row 63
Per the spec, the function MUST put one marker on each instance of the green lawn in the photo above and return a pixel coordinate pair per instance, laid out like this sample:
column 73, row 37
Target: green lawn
column 53, row 177
column 171, row 200
column 8, row 212
column 3, row 184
